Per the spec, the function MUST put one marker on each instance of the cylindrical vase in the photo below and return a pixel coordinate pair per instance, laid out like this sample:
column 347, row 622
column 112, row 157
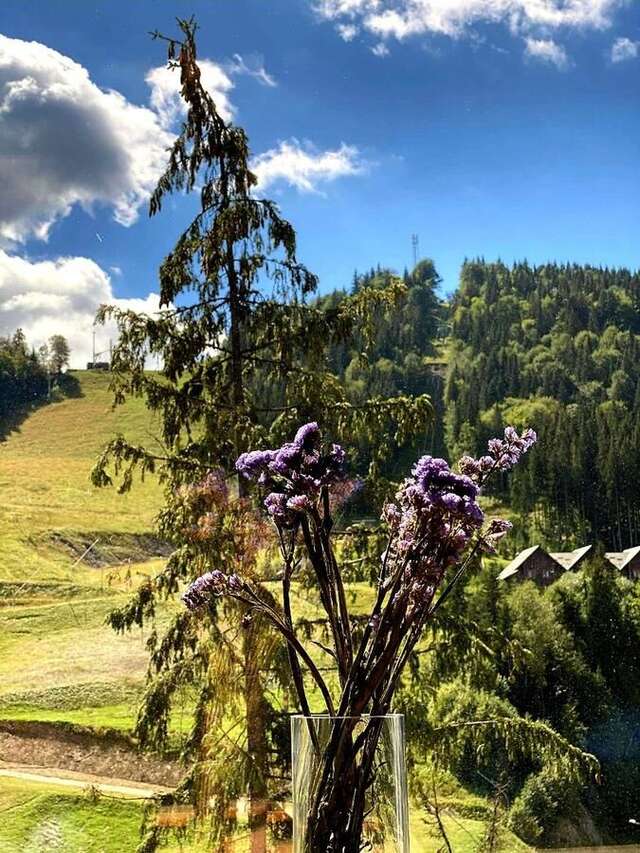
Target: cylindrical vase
column 349, row 784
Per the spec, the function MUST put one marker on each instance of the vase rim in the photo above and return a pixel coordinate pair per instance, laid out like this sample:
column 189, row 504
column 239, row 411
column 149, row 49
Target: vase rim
column 345, row 716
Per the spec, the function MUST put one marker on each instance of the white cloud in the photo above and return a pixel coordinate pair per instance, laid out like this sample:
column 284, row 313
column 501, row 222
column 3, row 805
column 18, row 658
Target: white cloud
column 624, row 49
column 303, row 167
column 347, row 32
column 547, row 50
column 64, row 141
column 165, row 91
column 216, row 79
column 380, row 50
column 401, row 19
column 252, row 66
column 60, row 297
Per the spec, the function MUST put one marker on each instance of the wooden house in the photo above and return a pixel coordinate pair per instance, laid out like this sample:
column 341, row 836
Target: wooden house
column 570, row 560
column 533, row 564
column 627, row 562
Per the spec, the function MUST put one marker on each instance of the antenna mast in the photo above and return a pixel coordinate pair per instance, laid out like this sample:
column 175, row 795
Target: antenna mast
column 414, row 244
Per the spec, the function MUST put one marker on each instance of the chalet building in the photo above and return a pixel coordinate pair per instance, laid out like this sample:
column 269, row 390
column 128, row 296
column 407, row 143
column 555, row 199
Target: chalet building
column 627, row 562
column 533, row 564
column 570, row 560
column 537, row 565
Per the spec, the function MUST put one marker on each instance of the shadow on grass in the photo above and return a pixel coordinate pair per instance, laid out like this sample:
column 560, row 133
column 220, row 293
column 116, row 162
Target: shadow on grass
column 66, row 387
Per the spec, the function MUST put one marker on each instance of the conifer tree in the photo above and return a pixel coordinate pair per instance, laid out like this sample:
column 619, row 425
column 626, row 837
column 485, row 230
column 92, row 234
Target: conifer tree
column 233, row 322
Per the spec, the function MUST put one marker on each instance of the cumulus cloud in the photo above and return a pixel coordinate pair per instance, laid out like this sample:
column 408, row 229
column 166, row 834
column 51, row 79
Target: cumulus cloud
column 165, row 97
column 305, row 168
column 216, row 78
column 64, row 141
column 623, row 49
column 60, row 296
column 547, row 50
column 401, row 19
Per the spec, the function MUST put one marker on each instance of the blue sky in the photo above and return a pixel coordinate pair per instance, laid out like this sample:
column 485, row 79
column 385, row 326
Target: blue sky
column 501, row 128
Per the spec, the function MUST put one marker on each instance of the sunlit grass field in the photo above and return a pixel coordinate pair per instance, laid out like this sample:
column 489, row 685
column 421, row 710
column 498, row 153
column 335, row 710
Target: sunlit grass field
column 44, row 481
column 36, row 817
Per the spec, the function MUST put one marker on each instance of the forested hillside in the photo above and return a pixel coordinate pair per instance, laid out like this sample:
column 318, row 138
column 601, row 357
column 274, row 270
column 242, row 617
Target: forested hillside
column 558, row 347
column 405, row 358
column 553, row 346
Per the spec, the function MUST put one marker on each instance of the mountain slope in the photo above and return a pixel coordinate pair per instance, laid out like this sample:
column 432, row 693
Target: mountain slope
column 48, row 503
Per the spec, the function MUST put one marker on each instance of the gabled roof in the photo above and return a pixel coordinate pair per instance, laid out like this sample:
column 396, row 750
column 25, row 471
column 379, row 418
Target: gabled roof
column 570, row 559
column 515, row 564
column 621, row 559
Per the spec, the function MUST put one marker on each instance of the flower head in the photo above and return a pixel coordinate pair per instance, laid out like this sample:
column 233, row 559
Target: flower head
column 308, row 436
column 294, row 474
column 503, row 454
column 254, row 463
column 199, row 592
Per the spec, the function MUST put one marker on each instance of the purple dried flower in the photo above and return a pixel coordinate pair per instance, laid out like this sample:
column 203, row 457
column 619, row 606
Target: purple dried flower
column 276, row 504
column 428, row 466
column 507, row 452
column 499, row 526
column 254, row 463
column 496, row 447
column 486, row 463
column 285, row 460
column 391, row 514
column 294, row 471
column 497, row 529
column 308, row 436
column 198, row 593
column 235, row 583
column 337, row 455
column 450, row 501
column 469, row 466
column 299, row 503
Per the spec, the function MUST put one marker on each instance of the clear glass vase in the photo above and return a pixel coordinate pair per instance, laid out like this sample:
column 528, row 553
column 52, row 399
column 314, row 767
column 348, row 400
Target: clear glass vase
column 349, row 784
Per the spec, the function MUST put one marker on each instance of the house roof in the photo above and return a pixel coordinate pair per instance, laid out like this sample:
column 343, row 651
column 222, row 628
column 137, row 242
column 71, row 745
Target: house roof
column 570, row 559
column 516, row 563
column 621, row 559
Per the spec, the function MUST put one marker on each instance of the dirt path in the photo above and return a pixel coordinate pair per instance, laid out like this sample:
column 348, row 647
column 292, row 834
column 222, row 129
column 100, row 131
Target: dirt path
column 64, row 748
column 81, row 781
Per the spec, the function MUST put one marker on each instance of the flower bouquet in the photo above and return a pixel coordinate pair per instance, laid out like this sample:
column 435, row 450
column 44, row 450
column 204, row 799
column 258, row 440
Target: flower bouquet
column 435, row 527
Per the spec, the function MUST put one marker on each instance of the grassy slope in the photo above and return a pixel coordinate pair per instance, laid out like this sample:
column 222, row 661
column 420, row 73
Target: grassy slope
column 35, row 818
column 53, row 635
column 44, row 481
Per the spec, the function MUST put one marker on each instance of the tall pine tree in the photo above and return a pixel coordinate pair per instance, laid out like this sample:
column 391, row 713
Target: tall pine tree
column 233, row 322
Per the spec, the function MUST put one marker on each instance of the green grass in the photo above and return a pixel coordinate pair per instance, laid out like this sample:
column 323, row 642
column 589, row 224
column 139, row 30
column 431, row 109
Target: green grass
column 39, row 819
column 35, row 818
column 44, row 480
column 66, row 643
column 52, row 622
